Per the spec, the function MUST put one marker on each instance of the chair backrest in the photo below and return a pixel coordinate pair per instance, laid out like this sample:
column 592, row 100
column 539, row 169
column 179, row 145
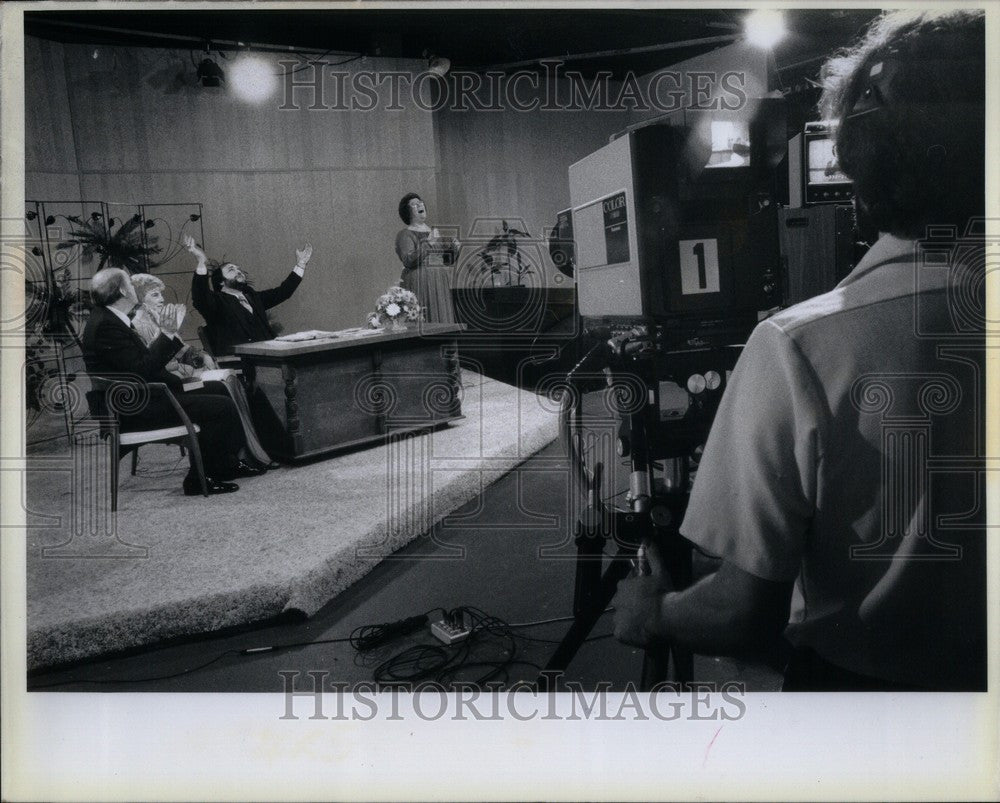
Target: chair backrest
column 114, row 395
column 96, row 404
column 206, row 340
column 100, row 411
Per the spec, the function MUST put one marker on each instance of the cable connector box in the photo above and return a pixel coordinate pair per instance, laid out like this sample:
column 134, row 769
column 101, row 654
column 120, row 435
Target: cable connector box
column 448, row 631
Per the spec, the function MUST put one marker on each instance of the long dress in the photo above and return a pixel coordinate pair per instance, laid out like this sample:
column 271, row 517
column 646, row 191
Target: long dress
column 430, row 283
column 184, row 366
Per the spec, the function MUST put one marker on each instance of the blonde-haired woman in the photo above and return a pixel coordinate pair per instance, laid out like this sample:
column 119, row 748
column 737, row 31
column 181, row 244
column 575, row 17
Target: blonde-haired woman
column 191, row 362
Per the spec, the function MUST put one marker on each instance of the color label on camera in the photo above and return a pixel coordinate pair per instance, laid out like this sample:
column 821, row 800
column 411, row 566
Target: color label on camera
column 699, row 266
column 616, row 228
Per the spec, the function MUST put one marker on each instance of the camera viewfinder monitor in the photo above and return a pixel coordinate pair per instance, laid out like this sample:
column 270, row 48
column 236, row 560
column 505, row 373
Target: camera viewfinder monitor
column 825, row 182
column 730, row 144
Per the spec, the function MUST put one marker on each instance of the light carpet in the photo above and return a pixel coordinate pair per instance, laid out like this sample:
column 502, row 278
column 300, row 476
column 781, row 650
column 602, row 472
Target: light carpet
column 289, row 540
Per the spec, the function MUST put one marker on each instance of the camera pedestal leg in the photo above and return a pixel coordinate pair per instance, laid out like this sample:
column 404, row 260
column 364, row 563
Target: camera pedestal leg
column 652, row 516
column 595, row 585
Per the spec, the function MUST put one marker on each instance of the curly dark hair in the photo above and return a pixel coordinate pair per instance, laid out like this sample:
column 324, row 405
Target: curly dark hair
column 215, row 267
column 909, row 104
column 404, row 206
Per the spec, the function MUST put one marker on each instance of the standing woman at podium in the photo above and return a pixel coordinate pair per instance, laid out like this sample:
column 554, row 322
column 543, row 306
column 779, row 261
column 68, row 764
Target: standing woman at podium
column 422, row 252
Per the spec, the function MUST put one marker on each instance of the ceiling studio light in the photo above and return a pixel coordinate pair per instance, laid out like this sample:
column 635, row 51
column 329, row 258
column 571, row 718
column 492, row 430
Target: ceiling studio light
column 764, row 27
column 210, row 73
column 252, row 79
column 438, row 65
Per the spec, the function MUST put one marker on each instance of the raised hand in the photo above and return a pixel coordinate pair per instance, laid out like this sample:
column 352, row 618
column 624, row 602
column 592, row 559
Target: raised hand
column 192, row 246
column 166, row 319
column 304, row 255
column 170, row 317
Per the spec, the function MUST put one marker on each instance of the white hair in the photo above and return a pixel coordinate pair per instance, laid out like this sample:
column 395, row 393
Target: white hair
column 107, row 286
column 145, row 283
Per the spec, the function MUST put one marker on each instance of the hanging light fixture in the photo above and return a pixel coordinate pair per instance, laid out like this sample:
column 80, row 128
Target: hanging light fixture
column 210, row 74
column 438, row 65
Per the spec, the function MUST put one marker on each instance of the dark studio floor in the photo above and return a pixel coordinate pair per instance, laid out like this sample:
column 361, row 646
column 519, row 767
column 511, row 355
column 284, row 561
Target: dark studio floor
column 500, row 573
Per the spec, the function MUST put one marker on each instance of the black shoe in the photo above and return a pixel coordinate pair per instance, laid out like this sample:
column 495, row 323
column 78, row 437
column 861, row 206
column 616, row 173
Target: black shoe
column 193, row 487
column 244, row 469
column 269, row 465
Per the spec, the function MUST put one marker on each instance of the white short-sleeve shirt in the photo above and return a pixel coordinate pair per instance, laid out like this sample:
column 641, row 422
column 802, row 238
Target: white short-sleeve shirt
column 847, row 455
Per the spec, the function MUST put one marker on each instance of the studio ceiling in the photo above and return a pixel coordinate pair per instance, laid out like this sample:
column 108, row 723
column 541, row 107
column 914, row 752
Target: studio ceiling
column 630, row 39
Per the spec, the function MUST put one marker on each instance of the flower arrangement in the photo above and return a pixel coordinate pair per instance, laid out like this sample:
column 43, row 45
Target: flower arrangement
column 396, row 308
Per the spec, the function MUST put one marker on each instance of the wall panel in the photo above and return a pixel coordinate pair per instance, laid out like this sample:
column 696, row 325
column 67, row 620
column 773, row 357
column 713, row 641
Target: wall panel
column 142, row 118
column 48, row 130
column 46, row 186
column 514, row 165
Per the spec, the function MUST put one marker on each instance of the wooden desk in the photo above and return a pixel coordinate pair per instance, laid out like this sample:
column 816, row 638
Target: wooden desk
column 336, row 393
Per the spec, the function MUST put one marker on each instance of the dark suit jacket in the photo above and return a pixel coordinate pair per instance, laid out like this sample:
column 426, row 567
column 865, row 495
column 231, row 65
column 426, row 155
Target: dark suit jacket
column 112, row 348
column 229, row 323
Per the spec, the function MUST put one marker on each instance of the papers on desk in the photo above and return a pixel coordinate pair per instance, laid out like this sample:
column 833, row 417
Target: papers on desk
column 316, row 334
column 359, row 331
column 310, row 334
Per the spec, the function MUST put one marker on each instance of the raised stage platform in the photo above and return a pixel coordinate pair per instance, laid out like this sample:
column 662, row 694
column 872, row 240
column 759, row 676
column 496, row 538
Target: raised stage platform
column 287, row 541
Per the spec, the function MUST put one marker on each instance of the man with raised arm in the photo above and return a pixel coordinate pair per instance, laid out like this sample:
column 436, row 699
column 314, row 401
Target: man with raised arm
column 233, row 310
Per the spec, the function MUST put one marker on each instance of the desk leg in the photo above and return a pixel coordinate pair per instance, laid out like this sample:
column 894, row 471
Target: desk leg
column 291, row 408
column 454, row 371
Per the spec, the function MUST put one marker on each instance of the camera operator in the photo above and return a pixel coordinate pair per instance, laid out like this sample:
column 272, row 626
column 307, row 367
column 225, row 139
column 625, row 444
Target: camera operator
column 802, row 487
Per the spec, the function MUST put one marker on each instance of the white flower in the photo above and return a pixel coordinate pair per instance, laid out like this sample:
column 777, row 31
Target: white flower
column 395, row 303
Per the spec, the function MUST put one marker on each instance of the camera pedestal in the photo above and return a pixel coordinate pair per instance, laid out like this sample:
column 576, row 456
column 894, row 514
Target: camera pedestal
column 595, row 584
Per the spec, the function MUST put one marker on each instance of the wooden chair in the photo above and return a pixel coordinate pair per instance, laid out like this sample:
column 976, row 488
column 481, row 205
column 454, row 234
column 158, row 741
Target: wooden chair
column 223, row 361
column 111, row 396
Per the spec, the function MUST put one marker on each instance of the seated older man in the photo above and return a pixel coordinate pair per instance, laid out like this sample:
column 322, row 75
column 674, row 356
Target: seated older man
column 112, row 348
